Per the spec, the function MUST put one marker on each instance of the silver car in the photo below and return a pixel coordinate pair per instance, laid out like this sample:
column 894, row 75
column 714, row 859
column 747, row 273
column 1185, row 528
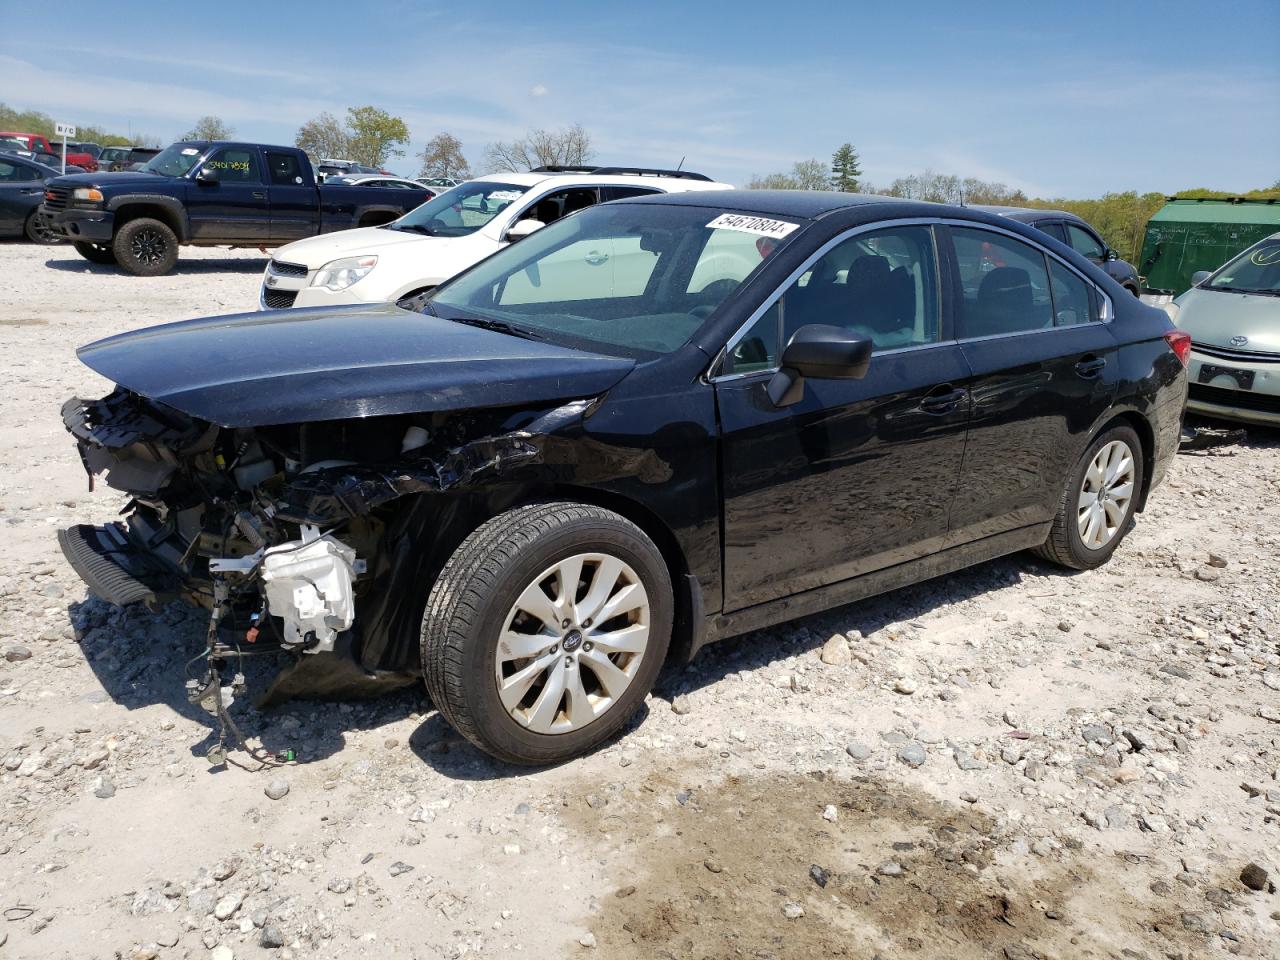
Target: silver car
column 1233, row 316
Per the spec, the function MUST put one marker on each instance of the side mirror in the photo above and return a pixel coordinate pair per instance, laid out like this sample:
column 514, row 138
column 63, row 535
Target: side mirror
column 1200, row 276
column 207, row 175
column 823, row 353
column 1110, row 255
column 522, row 228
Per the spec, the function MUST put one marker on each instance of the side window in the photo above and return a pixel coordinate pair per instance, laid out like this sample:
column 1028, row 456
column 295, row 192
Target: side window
column 1004, row 284
column 10, row 172
column 284, row 169
column 1085, row 243
column 235, row 165
column 1054, row 229
column 621, row 193
column 1071, row 303
column 758, row 348
column 882, row 285
column 561, row 203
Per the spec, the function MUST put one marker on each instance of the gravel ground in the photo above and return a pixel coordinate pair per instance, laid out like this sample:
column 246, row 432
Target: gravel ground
column 1012, row 761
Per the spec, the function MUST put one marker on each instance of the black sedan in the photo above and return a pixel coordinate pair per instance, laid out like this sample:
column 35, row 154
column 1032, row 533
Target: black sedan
column 1078, row 234
column 21, row 193
column 654, row 424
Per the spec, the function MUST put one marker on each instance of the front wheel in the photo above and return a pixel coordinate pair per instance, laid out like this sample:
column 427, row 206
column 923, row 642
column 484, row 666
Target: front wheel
column 545, row 631
column 1098, row 503
column 39, row 230
column 95, row 252
column 146, row 247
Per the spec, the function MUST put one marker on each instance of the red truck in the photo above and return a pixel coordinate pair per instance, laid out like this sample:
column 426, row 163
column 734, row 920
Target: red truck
column 38, row 141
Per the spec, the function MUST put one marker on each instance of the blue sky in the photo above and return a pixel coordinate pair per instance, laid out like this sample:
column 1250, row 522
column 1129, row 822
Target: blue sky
column 1061, row 99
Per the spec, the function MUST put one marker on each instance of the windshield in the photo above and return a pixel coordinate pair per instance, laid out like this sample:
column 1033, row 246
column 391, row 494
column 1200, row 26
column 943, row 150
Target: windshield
column 174, row 160
column 460, row 211
column 1257, row 270
column 629, row 279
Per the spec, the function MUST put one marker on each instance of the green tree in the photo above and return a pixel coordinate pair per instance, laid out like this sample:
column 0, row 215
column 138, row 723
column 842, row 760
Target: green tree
column 323, row 137
column 443, row 157
column 374, row 136
column 209, row 128
column 845, row 169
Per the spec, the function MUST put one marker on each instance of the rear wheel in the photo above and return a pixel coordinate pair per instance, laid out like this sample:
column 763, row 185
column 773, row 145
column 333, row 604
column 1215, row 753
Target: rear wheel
column 39, row 229
column 546, row 630
column 146, row 247
column 95, row 252
column 1098, row 503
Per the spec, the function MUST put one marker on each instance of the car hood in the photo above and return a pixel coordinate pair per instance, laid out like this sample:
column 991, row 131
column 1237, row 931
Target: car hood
column 317, row 251
column 1214, row 317
column 336, row 363
column 104, row 179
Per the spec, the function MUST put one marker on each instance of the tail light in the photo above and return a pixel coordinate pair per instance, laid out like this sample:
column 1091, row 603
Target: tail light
column 1180, row 343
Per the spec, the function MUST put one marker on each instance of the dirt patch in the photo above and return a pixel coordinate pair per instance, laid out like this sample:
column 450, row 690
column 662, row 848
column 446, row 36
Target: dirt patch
column 22, row 322
column 758, row 868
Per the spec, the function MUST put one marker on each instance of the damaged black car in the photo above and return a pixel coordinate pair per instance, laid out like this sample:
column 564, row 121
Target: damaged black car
column 656, row 423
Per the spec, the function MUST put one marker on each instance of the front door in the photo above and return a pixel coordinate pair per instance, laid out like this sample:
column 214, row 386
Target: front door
column 1045, row 368
column 234, row 206
column 859, row 474
column 21, row 190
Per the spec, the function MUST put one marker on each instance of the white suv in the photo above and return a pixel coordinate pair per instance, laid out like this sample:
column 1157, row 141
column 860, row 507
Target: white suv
column 403, row 260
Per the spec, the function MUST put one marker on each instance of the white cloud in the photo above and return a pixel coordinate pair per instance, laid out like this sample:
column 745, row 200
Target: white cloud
column 538, row 90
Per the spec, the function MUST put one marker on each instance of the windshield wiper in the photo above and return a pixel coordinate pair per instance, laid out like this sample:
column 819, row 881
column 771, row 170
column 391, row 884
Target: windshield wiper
column 1259, row 293
column 498, row 326
column 414, row 227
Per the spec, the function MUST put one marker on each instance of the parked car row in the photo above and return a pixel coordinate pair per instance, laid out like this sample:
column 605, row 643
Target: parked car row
column 647, row 425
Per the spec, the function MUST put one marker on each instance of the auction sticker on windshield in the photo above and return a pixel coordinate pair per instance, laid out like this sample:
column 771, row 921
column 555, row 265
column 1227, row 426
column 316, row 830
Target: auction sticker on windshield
column 760, row 226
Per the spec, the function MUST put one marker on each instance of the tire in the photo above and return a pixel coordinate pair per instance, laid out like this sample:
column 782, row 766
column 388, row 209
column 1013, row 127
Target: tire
column 1068, row 544
column 95, row 252
column 145, row 247
column 1134, row 290
column 39, row 230
column 482, row 595
column 415, row 301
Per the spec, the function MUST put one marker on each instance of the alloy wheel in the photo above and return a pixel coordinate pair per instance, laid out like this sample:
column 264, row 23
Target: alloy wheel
column 148, row 247
column 44, row 230
column 1105, row 495
column 572, row 643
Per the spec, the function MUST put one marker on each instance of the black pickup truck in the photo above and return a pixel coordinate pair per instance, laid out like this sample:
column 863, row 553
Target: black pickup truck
column 210, row 194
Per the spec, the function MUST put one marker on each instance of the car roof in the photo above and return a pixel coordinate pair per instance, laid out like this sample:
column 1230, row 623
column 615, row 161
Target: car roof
column 805, row 204
column 1026, row 214
column 536, row 179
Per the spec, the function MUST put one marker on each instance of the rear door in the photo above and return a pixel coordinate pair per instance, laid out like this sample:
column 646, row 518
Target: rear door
column 1044, row 370
column 294, row 202
column 859, row 474
column 235, row 208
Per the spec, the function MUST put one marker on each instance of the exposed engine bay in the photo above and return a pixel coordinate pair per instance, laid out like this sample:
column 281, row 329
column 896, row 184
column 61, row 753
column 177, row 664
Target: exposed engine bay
column 301, row 538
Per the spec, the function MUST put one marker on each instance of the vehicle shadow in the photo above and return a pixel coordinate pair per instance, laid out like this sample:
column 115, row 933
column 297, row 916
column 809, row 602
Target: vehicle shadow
column 449, row 754
column 143, row 658
column 1214, row 434
column 246, row 265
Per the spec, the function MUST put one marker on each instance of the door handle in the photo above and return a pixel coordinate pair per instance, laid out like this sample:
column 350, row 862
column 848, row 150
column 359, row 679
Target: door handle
column 259, row 194
column 942, row 402
column 595, row 258
column 1090, row 366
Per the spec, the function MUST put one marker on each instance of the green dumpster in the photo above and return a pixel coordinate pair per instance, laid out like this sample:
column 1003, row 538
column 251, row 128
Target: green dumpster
column 1189, row 235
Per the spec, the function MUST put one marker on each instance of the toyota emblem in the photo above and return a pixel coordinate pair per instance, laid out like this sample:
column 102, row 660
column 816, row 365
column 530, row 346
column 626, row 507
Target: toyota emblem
column 1239, row 341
